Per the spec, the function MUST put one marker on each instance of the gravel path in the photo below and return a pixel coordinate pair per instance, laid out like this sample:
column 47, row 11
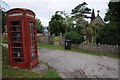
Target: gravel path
column 76, row 65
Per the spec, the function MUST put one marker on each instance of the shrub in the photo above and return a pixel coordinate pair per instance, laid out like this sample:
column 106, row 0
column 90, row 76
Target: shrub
column 110, row 34
column 57, row 38
column 74, row 37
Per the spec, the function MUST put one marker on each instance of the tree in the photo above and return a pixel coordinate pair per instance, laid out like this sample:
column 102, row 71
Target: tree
column 39, row 26
column 68, row 19
column 57, row 24
column 80, row 24
column 88, row 33
column 3, row 21
column 96, row 29
column 76, row 22
column 113, row 13
column 110, row 34
column 79, row 13
column 81, row 10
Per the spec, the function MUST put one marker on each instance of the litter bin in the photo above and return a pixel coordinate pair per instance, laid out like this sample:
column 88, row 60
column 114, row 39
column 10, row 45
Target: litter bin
column 67, row 44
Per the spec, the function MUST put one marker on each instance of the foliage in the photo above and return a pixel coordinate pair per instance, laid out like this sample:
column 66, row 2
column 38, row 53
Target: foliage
column 69, row 23
column 91, row 32
column 68, row 20
column 88, row 32
column 56, row 38
column 74, row 37
column 3, row 21
column 110, row 34
column 81, row 10
column 76, row 22
column 78, row 14
column 80, row 24
column 113, row 13
column 39, row 26
column 57, row 24
column 68, row 35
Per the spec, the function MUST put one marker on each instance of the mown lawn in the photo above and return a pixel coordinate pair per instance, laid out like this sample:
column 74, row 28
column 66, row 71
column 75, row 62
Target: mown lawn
column 59, row 47
column 10, row 72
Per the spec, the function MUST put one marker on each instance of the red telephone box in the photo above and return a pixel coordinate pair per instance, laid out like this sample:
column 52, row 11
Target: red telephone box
column 22, row 41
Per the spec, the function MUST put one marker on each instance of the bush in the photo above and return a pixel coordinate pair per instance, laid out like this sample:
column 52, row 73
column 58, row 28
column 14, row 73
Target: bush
column 67, row 35
column 57, row 38
column 74, row 37
column 110, row 34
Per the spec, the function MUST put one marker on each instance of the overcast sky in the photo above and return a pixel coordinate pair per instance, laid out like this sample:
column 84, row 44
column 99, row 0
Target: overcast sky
column 44, row 9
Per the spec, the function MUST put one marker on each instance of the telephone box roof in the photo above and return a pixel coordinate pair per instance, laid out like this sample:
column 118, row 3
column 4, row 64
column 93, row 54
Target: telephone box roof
column 23, row 9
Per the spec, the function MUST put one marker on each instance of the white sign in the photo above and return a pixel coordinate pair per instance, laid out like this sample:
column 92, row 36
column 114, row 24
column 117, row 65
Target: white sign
column 16, row 14
column 30, row 15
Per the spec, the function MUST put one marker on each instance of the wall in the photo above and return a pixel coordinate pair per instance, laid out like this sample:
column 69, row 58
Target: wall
column 41, row 38
column 45, row 39
column 98, row 47
column 95, row 47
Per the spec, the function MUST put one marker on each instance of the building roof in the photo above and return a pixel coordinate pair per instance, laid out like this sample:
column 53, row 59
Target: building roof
column 97, row 20
column 93, row 15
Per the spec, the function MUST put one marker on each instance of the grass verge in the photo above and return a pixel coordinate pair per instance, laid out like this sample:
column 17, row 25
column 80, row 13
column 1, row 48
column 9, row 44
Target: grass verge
column 10, row 72
column 59, row 47
column 4, row 40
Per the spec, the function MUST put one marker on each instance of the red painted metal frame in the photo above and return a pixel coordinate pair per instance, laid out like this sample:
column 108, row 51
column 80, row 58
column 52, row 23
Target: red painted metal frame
column 28, row 63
